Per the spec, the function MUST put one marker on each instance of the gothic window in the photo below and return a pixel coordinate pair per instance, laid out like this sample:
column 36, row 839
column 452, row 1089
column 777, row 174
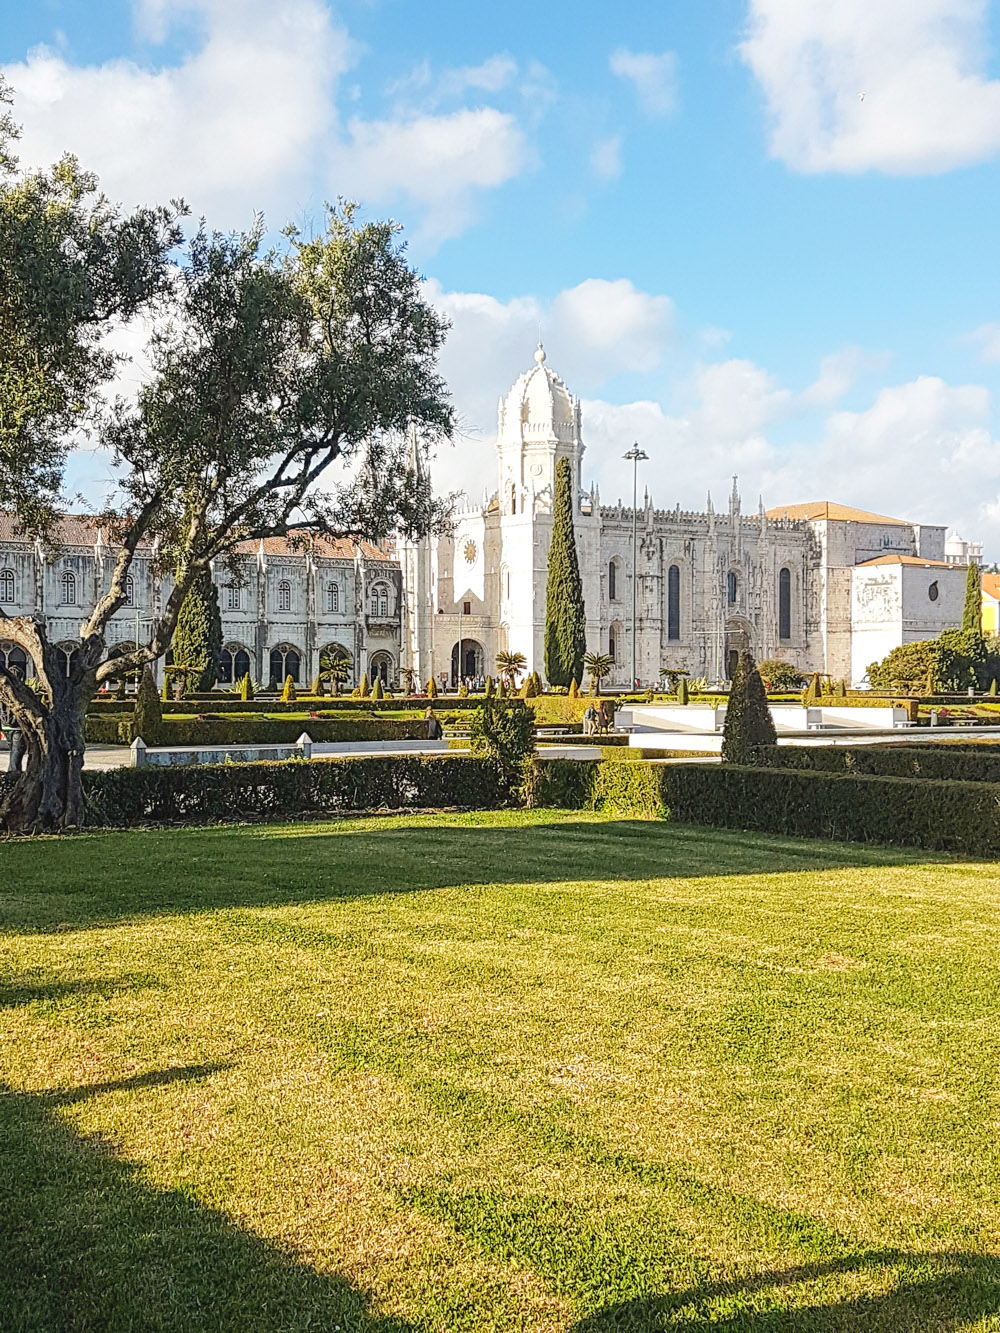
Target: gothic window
column 285, row 661
column 674, row 602
column 731, row 588
column 14, row 659
column 613, row 643
column 67, row 652
column 129, row 590
column 513, row 499
column 233, row 596
column 333, row 597
column 234, row 664
column 504, row 582
column 284, row 595
column 613, row 581
column 785, row 604
column 380, row 599
column 67, row 586
column 6, row 585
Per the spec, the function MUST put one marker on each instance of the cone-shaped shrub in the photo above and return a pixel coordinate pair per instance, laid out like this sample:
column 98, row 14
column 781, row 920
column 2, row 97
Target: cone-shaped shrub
column 682, row 690
column 377, row 692
column 528, row 688
column 993, row 685
column 197, row 640
column 165, row 691
column 317, row 686
column 147, row 719
column 972, row 614
column 537, row 681
column 288, row 695
column 364, row 689
column 574, row 689
column 432, row 689
column 490, row 689
column 748, row 732
column 565, row 618
column 246, row 688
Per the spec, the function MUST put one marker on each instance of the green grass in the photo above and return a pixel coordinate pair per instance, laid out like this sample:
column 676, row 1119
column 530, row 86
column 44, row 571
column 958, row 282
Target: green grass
column 496, row 1072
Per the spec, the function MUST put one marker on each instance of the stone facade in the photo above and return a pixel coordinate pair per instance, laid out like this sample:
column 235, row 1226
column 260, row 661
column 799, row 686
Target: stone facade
column 282, row 603
column 781, row 582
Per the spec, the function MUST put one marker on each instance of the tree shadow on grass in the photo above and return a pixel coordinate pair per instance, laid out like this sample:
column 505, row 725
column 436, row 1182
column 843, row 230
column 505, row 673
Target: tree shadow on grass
column 63, row 884
column 941, row 1292
column 85, row 1245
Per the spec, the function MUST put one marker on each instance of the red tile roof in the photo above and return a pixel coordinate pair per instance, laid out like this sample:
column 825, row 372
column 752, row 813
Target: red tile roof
column 820, row 509
column 908, row 560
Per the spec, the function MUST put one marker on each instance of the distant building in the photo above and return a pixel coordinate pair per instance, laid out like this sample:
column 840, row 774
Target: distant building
column 283, row 603
column 823, row 586
column 991, row 604
column 957, row 551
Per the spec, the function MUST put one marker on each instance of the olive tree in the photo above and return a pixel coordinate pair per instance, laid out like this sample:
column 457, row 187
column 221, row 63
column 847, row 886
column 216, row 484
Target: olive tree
column 294, row 391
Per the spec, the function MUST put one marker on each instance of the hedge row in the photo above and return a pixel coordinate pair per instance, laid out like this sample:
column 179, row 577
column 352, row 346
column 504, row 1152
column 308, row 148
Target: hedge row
column 257, row 731
column 962, row 763
column 228, row 703
column 122, row 797
column 939, row 816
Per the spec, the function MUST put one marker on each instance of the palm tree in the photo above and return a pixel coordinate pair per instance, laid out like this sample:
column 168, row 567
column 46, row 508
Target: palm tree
column 408, row 677
column 599, row 665
column 336, row 668
column 510, row 666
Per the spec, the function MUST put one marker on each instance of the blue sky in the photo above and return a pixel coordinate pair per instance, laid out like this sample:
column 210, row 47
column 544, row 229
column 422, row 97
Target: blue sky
column 758, row 235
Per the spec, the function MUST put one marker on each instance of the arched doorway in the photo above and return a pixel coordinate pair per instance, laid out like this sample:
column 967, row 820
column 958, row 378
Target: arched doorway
column 15, row 659
column 473, row 662
column 285, row 661
column 381, row 667
column 234, row 664
column 738, row 640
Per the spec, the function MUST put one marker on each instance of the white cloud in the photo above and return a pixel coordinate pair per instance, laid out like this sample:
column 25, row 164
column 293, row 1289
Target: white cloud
column 440, row 162
column 987, row 338
column 248, row 120
column 231, row 127
column 606, row 158
column 654, row 77
column 838, row 372
column 897, row 86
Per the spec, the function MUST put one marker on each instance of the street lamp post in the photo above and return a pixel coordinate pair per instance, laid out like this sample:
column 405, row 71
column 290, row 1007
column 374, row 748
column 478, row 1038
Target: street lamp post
column 635, row 456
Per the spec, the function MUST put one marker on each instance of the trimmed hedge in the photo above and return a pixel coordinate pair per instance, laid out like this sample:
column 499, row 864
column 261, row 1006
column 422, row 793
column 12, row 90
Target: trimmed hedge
column 229, row 703
column 124, row 797
column 940, row 816
column 258, row 730
column 960, row 763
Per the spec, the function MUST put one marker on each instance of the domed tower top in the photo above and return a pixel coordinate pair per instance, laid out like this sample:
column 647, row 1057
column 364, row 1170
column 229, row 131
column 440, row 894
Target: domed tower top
column 539, row 408
column 538, row 423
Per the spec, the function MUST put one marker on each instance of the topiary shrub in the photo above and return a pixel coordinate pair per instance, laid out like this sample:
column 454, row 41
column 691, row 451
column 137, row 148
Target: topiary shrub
column 779, row 677
column 682, row 690
column 197, row 640
column 504, row 734
column 147, row 718
column 489, row 689
column 288, row 695
column 748, row 734
column 246, row 688
column 377, row 691
column 574, row 689
column 364, row 689
column 432, row 689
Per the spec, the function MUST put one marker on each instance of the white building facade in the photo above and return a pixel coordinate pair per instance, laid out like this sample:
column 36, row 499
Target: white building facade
column 284, row 604
column 805, row 583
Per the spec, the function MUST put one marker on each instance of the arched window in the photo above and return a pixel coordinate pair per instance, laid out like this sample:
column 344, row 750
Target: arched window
column 129, row 590
column 613, row 581
column 285, row 661
column 67, row 587
column 613, row 644
column 333, row 597
column 15, row 659
column 381, row 667
column 513, row 499
column 505, row 582
column 785, row 604
column 674, row 602
column 6, row 585
column 67, row 652
column 731, row 588
column 284, row 595
column 380, row 599
column 234, row 663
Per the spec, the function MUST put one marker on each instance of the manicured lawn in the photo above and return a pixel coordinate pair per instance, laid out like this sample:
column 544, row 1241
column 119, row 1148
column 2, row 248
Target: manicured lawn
column 496, row 1072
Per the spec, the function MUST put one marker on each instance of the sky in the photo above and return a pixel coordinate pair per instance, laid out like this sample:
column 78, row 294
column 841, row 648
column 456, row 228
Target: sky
column 759, row 237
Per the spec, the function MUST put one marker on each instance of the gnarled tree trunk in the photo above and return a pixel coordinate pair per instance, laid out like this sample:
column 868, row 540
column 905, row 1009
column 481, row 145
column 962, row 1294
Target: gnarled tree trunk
column 48, row 794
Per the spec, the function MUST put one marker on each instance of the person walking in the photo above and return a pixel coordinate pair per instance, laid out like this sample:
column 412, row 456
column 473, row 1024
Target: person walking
column 603, row 721
column 434, row 732
column 589, row 720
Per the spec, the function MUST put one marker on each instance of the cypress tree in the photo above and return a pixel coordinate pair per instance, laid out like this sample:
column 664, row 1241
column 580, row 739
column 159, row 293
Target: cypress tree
column 972, row 615
column 748, row 733
column 147, row 719
column 198, row 636
column 565, row 619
